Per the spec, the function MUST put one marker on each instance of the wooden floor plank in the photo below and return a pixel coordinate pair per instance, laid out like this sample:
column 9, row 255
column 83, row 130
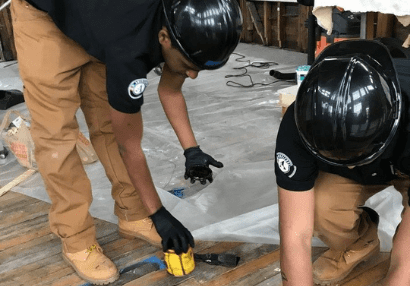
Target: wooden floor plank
column 31, row 255
column 17, row 235
column 258, row 276
column 201, row 268
column 273, row 281
column 8, row 231
column 190, row 282
column 216, row 247
column 63, row 276
column 247, row 252
column 29, row 211
column 8, row 196
column 245, row 269
column 203, row 272
column 47, row 249
column 9, row 199
column 153, row 278
column 269, row 275
column 276, row 279
column 12, row 200
column 39, row 248
column 9, row 283
column 113, row 241
column 141, row 252
column 35, row 272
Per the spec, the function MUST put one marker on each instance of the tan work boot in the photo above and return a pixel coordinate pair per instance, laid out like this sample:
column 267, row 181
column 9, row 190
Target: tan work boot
column 333, row 266
column 92, row 265
column 143, row 229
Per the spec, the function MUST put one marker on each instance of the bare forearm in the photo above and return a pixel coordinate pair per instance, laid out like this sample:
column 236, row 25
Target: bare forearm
column 128, row 130
column 173, row 102
column 177, row 114
column 296, row 218
column 395, row 278
column 399, row 271
column 296, row 265
column 140, row 176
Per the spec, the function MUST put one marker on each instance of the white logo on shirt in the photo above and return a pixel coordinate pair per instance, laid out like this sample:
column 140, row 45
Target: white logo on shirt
column 285, row 164
column 137, row 87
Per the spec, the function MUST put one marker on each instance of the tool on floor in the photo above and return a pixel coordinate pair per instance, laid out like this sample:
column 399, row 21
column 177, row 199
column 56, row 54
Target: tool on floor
column 282, row 76
column 223, row 259
column 183, row 264
column 179, row 264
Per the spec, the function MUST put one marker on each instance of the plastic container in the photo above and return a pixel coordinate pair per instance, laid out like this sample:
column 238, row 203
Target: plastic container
column 301, row 72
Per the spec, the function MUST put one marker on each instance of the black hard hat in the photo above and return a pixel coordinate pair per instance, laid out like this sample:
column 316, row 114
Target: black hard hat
column 348, row 107
column 206, row 31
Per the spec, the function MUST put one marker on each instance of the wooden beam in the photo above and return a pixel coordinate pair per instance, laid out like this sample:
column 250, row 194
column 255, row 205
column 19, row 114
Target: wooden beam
column 256, row 20
column 384, row 25
column 17, row 181
column 370, row 25
column 267, row 23
column 247, row 23
column 302, row 28
column 281, row 25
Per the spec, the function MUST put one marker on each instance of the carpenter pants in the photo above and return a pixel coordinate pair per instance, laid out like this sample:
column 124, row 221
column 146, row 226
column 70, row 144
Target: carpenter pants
column 60, row 77
column 339, row 222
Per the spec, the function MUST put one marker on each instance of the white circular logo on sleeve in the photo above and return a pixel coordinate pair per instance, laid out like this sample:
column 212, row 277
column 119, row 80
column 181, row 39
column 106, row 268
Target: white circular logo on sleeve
column 285, row 164
column 137, row 87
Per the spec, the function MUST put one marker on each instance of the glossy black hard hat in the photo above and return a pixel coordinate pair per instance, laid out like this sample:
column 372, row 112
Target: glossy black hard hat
column 348, row 107
column 205, row 31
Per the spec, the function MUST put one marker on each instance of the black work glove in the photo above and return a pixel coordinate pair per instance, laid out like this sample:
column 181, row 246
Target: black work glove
column 197, row 165
column 174, row 235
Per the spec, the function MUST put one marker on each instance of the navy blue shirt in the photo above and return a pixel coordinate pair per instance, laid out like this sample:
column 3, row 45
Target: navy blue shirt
column 122, row 34
column 296, row 168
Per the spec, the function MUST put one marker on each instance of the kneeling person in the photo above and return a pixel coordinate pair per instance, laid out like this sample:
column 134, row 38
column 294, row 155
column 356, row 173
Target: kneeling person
column 345, row 138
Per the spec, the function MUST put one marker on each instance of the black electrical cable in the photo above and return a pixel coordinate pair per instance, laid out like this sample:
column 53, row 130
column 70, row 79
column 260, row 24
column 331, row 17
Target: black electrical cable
column 263, row 65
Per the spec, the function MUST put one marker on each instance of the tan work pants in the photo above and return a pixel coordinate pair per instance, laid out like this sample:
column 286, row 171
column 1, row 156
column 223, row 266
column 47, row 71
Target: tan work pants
column 338, row 220
column 59, row 78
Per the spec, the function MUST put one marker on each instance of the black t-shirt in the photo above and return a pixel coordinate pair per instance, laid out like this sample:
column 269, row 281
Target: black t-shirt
column 122, row 34
column 296, row 168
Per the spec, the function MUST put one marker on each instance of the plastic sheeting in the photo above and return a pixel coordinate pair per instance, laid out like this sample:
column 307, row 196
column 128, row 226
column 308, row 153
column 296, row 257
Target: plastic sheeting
column 235, row 125
column 395, row 7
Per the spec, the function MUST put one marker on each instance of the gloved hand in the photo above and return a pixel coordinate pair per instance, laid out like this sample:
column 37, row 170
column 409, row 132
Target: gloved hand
column 174, row 235
column 197, row 165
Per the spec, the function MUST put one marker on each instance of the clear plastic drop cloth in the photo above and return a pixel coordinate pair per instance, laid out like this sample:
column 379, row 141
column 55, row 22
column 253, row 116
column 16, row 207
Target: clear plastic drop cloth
column 235, row 116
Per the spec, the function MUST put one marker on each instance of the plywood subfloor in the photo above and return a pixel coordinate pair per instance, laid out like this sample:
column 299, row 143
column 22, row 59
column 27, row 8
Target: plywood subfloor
column 31, row 255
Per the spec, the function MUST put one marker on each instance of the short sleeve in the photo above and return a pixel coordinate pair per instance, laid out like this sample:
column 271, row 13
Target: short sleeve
column 126, row 83
column 295, row 167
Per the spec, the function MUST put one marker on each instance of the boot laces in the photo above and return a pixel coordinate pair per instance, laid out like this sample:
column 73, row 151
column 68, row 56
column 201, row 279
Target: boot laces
column 91, row 248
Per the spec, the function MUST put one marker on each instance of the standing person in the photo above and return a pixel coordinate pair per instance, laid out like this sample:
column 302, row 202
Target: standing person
column 346, row 138
column 95, row 55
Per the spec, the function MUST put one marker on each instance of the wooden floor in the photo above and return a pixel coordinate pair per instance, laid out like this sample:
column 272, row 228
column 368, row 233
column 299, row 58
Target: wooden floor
column 31, row 255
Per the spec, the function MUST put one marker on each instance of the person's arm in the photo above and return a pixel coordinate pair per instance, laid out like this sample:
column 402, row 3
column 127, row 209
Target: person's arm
column 173, row 103
column 399, row 271
column 128, row 130
column 296, row 217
